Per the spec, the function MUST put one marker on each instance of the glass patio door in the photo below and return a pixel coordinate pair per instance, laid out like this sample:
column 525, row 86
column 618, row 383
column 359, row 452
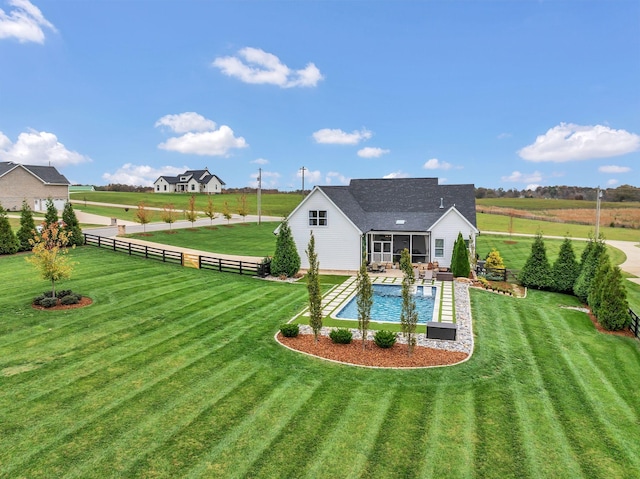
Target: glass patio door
column 381, row 252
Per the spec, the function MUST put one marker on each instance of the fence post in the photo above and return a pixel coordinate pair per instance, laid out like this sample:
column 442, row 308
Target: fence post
column 99, row 241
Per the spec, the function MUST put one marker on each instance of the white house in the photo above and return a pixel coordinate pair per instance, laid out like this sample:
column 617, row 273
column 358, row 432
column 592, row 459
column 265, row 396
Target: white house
column 191, row 181
column 382, row 217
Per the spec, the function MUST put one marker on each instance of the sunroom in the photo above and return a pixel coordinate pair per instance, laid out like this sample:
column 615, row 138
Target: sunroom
column 387, row 246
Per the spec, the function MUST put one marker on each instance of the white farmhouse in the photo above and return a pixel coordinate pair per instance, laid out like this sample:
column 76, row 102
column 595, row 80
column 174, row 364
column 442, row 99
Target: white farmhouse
column 191, row 181
column 381, row 217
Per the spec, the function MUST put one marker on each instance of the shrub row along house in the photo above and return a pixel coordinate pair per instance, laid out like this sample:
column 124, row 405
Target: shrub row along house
column 380, row 218
column 33, row 184
column 191, row 181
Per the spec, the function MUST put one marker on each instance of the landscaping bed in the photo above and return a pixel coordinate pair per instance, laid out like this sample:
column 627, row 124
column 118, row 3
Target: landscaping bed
column 372, row 356
column 84, row 301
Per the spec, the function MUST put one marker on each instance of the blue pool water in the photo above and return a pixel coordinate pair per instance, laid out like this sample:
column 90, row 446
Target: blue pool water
column 387, row 304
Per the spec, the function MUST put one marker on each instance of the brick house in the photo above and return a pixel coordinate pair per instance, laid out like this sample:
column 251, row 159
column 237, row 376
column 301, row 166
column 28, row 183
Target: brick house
column 31, row 183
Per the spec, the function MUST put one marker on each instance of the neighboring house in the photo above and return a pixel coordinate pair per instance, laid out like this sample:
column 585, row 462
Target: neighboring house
column 191, row 181
column 35, row 184
column 382, row 217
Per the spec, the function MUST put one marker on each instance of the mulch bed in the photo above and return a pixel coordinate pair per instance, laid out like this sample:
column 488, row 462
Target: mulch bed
column 394, row 357
column 624, row 332
column 85, row 301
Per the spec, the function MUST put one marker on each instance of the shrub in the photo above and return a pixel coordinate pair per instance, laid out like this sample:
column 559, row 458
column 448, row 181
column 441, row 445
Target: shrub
column 48, row 302
column 536, row 272
column 70, row 299
column 613, row 313
column 341, row 336
column 289, row 330
column 460, row 266
column 286, row 259
column 565, row 270
column 37, row 299
column 384, row 339
column 63, row 292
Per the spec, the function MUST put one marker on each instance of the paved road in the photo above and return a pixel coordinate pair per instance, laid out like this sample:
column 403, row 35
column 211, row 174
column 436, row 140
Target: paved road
column 629, row 248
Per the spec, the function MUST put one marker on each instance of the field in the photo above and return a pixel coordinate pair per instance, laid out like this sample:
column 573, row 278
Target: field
column 174, row 373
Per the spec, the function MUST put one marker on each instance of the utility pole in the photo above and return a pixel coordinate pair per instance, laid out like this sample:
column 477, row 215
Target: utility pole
column 303, row 170
column 598, row 197
column 259, row 193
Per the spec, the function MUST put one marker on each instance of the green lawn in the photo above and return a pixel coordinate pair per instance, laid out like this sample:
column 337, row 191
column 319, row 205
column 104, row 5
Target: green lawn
column 174, row 372
column 248, row 239
column 541, row 204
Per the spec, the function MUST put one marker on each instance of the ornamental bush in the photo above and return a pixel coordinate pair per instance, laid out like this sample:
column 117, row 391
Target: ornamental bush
column 27, row 230
column 536, row 272
column 9, row 244
column 565, row 270
column 286, row 260
column 70, row 299
column 460, row 266
column 613, row 313
column 341, row 336
column 72, row 226
column 384, row 339
column 48, row 302
column 588, row 269
column 289, row 330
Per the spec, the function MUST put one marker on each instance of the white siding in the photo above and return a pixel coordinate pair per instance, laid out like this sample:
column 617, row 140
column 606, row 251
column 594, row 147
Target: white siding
column 214, row 186
column 162, row 183
column 448, row 228
column 338, row 244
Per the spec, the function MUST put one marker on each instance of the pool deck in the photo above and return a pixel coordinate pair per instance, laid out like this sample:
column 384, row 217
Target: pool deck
column 338, row 296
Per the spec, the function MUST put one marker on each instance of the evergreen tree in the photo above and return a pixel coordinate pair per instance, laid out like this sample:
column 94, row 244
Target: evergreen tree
column 460, row 266
column 9, row 244
column 588, row 269
column 494, row 260
column 565, row 270
column 599, row 283
column 536, row 272
column 613, row 313
column 27, row 229
column 364, row 300
column 313, row 287
column 409, row 314
column 72, row 225
column 51, row 216
column 286, row 260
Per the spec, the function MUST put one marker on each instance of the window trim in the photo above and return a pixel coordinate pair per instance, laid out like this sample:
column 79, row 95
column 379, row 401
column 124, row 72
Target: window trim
column 317, row 219
column 436, row 248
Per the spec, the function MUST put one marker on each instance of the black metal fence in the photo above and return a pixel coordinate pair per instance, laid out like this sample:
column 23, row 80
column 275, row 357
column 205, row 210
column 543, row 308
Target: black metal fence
column 635, row 323
column 493, row 274
column 261, row 269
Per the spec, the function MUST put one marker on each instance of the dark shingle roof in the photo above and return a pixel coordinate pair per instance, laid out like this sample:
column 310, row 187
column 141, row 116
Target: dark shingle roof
column 378, row 204
column 48, row 174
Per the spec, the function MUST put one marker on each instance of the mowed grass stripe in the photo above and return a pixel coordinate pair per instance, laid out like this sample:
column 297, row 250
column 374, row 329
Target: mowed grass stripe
column 234, row 453
column 85, row 397
column 616, row 430
column 346, row 451
column 298, row 443
column 157, row 425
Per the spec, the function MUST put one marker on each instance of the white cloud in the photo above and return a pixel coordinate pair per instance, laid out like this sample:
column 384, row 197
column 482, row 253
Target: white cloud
column 338, row 177
column 24, row 23
column 339, row 137
column 310, row 177
column 612, row 182
column 253, row 65
column 503, row 136
column 614, row 169
column 532, row 187
column 184, row 122
column 260, row 161
column 39, row 148
column 397, row 174
column 370, row 152
column 568, row 142
column 270, row 179
column 143, row 175
column 200, row 135
column 436, row 164
column 518, row 177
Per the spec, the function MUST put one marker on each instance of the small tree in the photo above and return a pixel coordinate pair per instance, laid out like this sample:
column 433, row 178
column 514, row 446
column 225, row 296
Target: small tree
column 460, row 266
column 588, row 269
column 226, row 213
column 598, row 284
column 210, row 211
column 405, row 265
column 9, row 244
column 49, row 250
column 143, row 216
column 494, row 260
column 191, row 214
column 565, row 270
column 243, row 210
column 51, row 215
column 613, row 313
column 286, row 260
column 536, row 272
column 364, row 300
column 313, row 287
column 169, row 214
column 72, row 225
column 27, row 227
column 409, row 314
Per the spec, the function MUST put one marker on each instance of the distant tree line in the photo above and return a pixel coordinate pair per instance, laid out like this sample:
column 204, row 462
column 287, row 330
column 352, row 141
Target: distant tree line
column 125, row 188
column 619, row 194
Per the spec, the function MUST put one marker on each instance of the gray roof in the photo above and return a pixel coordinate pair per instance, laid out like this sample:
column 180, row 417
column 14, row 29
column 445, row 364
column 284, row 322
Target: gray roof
column 201, row 176
column 378, row 204
column 47, row 174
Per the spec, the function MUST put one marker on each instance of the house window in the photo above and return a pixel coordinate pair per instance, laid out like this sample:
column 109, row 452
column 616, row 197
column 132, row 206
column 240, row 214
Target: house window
column 193, row 187
column 317, row 218
column 157, row 187
column 439, row 250
column 165, row 187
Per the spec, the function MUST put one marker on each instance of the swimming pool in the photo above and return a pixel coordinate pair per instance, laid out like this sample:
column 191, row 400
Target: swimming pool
column 387, row 304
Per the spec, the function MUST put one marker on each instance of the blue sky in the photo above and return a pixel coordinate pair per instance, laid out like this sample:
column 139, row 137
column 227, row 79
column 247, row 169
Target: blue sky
column 502, row 94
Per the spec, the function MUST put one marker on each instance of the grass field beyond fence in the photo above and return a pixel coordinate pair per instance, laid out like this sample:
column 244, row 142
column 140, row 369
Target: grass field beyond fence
column 174, row 372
